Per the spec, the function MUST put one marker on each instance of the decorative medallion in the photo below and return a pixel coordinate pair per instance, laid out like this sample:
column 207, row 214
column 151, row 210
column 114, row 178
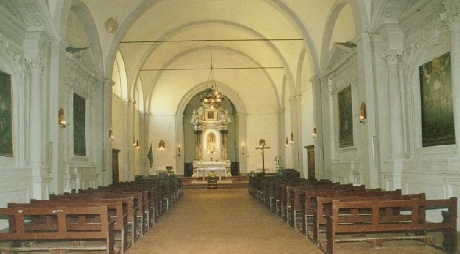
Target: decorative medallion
column 111, row 25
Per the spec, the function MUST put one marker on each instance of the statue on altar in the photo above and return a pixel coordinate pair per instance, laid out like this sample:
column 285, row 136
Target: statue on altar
column 210, row 124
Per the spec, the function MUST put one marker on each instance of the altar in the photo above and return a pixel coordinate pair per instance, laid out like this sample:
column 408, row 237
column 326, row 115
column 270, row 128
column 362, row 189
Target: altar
column 204, row 168
column 210, row 124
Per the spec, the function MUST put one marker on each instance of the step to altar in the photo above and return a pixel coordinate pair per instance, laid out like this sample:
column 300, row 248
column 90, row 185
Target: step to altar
column 224, row 183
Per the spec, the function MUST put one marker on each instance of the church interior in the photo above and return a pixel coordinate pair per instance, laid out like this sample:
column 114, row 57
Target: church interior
column 355, row 92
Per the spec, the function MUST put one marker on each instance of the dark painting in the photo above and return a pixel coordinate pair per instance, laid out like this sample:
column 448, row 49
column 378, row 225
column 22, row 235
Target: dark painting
column 436, row 102
column 6, row 116
column 345, row 118
column 79, row 126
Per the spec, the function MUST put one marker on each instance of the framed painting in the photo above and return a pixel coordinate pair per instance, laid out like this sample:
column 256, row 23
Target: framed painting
column 436, row 102
column 211, row 115
column 6, row 116
column 79, row 125
column 345, row 118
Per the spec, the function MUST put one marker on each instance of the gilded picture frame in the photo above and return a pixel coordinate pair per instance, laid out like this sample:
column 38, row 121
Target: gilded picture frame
column 436, row 102
column 345, row 111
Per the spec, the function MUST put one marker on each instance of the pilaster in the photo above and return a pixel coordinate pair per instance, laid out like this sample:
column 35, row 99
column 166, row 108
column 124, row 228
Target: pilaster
column 126, row 141
column 318, row 125
column 452, row 18
column 36, row 63
column 391, row 56
column 179, row 119
column 242, row 127
column 106, row 126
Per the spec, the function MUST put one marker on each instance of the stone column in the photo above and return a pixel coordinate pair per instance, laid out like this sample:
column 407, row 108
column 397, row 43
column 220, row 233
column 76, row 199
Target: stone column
column 224, row 146
column 452, row 18
column 294, row 154
column 318, row 140
column 367, row 131
column 148, row 142
column 297, row 146
column 242, row 117
column 143, row 161
column 391, row 56
column 198, row 152
column 179, row 142
column 126, row 141
column 35, row 130
column 32, row 45
column 281, row 133
column 106, row 125
column 397, row 146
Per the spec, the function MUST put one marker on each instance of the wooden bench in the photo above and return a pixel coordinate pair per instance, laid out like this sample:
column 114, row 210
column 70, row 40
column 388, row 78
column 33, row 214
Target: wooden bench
column 129, row 199
column 309, row 209
column 319, row 204
column 413, row 220
column 118, row 212
column 67, row 229
column 296, row 198
column 142, row 196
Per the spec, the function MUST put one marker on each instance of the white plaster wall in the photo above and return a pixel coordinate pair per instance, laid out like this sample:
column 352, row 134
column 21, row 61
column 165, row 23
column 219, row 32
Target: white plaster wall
column 118, row 120
column 307, row 122
column 262, row 127
column 163, row 128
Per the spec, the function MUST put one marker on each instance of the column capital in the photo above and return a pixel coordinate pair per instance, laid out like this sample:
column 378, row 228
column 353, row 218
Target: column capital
column 315, row 80
column 451, row 15
column 391, row 56
column 108, row 82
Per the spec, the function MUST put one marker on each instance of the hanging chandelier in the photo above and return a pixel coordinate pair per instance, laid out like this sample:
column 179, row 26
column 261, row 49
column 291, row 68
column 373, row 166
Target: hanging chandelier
column 211, row 96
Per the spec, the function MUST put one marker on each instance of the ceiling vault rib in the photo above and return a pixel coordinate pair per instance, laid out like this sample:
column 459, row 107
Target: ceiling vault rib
column 218, row 68
column 209, row 40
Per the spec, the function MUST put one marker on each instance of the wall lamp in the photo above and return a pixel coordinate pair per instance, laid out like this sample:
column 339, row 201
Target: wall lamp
column 287, row 143
column 178, row 150
column 162, row 145
column 61, row 118
column 362, row 113
column 292, row 139
column 136, row 144
column 111, row 136
column 313, row 134
column 242, row 149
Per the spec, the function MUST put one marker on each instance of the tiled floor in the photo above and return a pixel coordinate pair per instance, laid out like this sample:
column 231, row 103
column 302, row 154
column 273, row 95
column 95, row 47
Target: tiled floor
column 231, row 221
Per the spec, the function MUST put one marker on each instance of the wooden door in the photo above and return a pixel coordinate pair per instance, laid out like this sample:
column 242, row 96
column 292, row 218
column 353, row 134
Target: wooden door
column 311, row 161
column 115, row 167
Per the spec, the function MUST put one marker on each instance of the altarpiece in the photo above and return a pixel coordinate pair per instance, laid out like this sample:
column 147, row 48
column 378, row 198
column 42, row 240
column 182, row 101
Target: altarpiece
column 210, row 126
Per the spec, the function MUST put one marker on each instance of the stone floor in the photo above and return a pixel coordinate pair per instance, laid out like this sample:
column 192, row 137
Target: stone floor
column 231, row 221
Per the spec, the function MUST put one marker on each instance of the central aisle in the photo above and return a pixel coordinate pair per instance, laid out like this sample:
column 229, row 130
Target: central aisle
column 221, row 221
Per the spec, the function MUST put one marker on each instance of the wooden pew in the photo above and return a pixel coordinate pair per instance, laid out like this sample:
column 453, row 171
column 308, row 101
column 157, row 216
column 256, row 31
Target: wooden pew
column 319, row 204
column 118, row 212
column 151, row 196
column 379, row 221
column 296, row 198
column 59, row 233
column 308, row 207
column 143, row 198
column 129, row 199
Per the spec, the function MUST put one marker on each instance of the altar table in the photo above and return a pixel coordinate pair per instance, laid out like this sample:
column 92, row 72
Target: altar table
column 220, row 170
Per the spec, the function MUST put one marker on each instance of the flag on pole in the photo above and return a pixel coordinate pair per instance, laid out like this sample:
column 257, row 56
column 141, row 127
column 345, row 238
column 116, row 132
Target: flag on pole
column 150, row 155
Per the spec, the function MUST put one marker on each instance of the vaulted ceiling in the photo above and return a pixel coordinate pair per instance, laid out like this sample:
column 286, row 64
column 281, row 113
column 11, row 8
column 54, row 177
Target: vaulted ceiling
column 258, row 48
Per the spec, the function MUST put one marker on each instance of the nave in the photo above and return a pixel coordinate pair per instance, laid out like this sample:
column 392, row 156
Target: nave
column 231, row 221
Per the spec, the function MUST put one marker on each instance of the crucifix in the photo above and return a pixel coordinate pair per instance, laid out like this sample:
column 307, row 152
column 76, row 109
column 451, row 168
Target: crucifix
column 262, row 148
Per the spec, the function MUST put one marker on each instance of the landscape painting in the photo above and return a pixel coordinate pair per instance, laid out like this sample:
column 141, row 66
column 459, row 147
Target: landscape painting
column 345, row 118
column 6, row 116
column 436, row 102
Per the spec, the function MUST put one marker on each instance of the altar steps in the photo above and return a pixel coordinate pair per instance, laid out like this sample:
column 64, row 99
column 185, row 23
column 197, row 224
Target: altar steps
column 234, row 182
